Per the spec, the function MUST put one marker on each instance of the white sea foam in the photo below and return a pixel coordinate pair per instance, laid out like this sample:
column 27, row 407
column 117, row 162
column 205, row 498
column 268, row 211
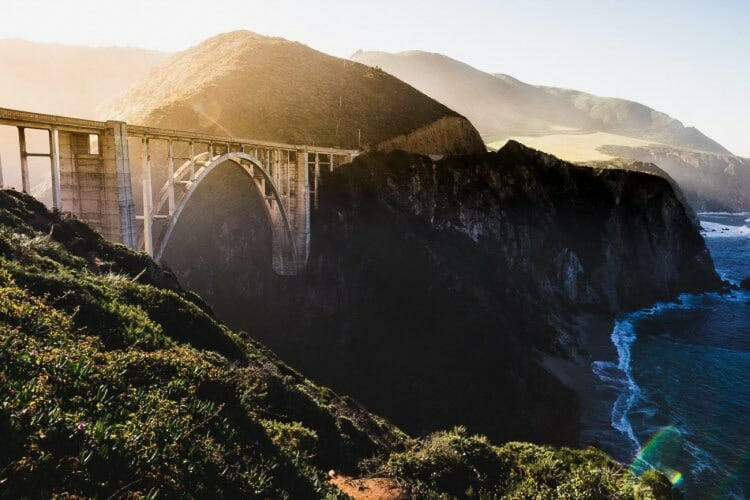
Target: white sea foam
column 719, row 230
column 623, row 336
column 723, row 213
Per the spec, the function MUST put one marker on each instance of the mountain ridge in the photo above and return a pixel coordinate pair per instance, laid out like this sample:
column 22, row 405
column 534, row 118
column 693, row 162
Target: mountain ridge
column 578, row 126
column 535, row 106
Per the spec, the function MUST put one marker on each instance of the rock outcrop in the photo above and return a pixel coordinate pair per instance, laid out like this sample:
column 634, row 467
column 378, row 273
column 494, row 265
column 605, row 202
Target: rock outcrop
column 432, row 284
column 246, row 85
column 710, row 181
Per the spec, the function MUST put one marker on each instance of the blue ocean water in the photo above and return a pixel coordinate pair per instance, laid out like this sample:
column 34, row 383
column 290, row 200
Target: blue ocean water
column 682, row 377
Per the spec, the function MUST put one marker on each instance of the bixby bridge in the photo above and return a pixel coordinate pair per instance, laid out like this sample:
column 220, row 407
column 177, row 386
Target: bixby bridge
column 93, row 174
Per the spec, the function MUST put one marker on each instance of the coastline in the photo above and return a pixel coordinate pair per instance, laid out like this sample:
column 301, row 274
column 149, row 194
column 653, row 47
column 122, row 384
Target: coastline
column 596, row 398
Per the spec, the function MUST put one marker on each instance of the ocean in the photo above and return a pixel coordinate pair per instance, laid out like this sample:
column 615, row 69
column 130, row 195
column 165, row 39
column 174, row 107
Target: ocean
column 682, row 378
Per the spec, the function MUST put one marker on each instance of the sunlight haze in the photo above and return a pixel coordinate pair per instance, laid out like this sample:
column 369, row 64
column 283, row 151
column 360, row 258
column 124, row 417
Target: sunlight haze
column 685, row 58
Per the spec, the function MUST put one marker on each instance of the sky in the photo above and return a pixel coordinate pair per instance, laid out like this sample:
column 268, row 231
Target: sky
column 687, row 58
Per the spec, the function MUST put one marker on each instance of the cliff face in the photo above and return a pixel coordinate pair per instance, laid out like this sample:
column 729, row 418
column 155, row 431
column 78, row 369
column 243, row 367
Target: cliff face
column 431, row 284
column 247, row 85
column 710, row 181
column 605, row 238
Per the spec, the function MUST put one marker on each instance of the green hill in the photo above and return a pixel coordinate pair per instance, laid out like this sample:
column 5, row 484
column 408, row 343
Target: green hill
column 247, row 85
column 115, row 382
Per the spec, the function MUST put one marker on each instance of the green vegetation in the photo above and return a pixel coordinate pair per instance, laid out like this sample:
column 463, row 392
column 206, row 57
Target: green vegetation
column 455, row 464
column 116, row 382
column 113, row 379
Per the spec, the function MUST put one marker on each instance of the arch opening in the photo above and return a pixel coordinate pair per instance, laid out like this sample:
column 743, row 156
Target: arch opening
column 285, row 257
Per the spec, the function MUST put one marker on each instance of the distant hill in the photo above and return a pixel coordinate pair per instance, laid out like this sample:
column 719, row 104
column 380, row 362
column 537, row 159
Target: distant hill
column 502, row 107
column 710, row 181
column 577, row 126
column 66, row 79
column 244, row 84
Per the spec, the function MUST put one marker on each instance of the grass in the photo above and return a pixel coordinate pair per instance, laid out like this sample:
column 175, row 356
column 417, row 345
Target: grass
column 454, row 464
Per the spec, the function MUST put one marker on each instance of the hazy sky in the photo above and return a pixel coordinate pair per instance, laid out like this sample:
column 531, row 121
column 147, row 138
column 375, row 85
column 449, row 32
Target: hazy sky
column 688, row 58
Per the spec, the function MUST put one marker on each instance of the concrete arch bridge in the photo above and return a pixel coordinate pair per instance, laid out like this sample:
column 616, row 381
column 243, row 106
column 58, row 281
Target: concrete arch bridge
column 93, row 173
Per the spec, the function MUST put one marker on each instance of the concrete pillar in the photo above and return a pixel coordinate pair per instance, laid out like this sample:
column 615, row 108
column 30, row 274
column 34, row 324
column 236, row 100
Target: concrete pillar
column 317, row 178
column 116, row 160
column 25, row 182
column 299, row 209
column 54, row 148
column 287, row 176
column 192, row 161
column 170, row 181
column 96, row 187
column 148, row 200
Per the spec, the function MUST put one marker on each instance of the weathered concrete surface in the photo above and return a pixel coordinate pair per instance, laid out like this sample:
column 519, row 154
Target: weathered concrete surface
column 95, row 186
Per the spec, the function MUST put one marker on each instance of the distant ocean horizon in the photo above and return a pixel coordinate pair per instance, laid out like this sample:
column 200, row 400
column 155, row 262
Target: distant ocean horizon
column 681, row 377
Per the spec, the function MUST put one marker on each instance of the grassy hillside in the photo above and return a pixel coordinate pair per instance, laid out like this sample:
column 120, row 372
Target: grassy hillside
column 115, row 382
column 502, row 107
column 247, row 85
column 115, row 379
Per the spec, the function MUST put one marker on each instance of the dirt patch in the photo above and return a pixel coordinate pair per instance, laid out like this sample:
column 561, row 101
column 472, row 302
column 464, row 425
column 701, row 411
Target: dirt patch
column 369, row 488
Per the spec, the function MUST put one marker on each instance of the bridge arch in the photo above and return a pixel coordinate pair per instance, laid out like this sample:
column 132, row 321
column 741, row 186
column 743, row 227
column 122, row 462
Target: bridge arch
column 286, row 257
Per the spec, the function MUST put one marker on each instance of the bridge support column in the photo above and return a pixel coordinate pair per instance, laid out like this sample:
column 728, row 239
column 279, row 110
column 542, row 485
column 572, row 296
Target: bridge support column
column 298, row 212
column 95, row 184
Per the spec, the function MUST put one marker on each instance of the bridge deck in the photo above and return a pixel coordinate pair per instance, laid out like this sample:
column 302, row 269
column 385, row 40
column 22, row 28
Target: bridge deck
column 43, row 121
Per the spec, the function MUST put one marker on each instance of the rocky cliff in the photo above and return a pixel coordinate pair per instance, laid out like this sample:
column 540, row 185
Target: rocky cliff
column 247, row 85
column 432, row 284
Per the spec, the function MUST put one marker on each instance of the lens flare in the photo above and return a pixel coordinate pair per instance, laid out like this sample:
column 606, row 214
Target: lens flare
column 742, row 466
column 659, row 451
